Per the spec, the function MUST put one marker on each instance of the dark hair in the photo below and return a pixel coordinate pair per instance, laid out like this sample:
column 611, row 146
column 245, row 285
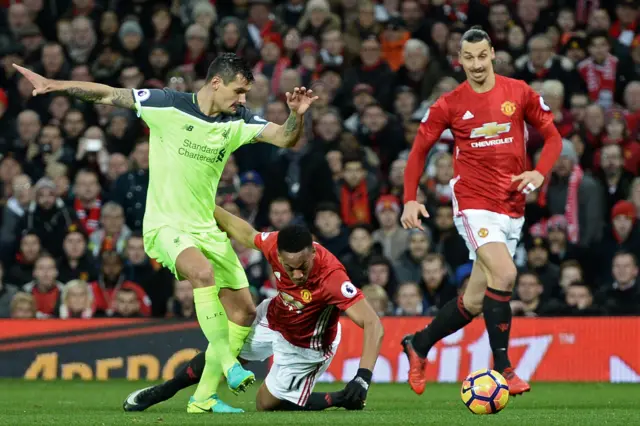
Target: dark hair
column 327, row 207
column 580, row 284
column 530, row 273
column 281, row 200
column 362, row 226
column 227, row 66
column 475, row 35
column 593, row 35
column 352, row 157
column 108, row 254
column 294, row 238
column 380, row 260
column 627, row 253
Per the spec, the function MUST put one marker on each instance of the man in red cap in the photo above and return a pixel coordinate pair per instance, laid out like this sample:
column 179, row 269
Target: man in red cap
column 393, row 238
column 623, row 235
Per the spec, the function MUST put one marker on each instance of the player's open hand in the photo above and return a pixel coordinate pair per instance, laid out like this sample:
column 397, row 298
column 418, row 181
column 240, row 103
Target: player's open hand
column 412, row 215
column 529, row 181
column 300, row 100
column 40, row 84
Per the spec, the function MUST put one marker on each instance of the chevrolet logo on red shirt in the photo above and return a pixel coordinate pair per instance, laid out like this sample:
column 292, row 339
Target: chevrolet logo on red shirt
column 490, row 130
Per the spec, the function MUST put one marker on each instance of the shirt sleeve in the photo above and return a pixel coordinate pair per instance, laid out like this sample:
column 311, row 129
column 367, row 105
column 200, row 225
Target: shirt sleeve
column 263, row 240
column 148, row 100
column 250, row 128
column 434, row 122
column 341, row 291
column 536, row 112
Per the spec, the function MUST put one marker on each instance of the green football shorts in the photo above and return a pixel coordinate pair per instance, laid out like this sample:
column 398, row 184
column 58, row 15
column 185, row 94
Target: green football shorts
column 166, row 243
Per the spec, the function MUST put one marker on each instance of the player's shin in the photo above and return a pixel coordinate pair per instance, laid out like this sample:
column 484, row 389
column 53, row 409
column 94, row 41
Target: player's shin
column 189, row 375
column 452, row 317
column 317, row 401
column 497, row 317
column 213, row 322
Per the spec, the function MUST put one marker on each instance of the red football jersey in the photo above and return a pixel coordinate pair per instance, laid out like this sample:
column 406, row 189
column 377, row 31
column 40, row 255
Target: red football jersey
column 307, row 316
column 490, row 142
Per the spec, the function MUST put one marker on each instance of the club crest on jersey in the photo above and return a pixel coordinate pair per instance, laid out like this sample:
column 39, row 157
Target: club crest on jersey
column 483, row 232
column 490, row 130
column 290, row 301
column 508, row 108
column 305, row 295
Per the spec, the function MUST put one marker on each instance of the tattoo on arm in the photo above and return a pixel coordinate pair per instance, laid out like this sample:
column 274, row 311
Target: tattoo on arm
column 122, row 98
column 84, row 95
column 293, row 129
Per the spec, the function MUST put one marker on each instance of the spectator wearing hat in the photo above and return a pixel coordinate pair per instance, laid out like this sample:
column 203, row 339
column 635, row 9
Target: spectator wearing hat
column 577, row 196
column 45, row 287
column 622, row 296
column 392, row 40
column 391, row 236
column 612, row 174
column 330, row 230
column 48, row 217
column 196, row 56
column 623, row 234
column 250, row 195
column 409, row 265
column 371, row 70
column 309, row 68
column 574, row 48
column 272, row 64
column 538, row 263
column 362, row 95
column 317, row 19
column 76, row 263
column 560, row 250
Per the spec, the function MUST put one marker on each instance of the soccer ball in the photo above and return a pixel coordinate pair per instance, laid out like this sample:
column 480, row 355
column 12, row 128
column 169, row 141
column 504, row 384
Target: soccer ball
column 485, row 392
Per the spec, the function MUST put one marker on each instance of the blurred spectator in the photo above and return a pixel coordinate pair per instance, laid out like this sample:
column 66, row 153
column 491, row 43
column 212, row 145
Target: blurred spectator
column 409, row 265
column 420, row 71
column 21, row 272
column 578, row 301
column 538, row 263
column 110, row 282
column 23, row 306
column 7, row 292
column 250, row 195
column 623, row 234
column 622, row 297
column 391, row 236
column 378, row 298
column 380, row 272
column 13, row 212
column 48, row 217
column 371, row 70
column 553, row 92
column 612, row 175
column 628, row 70
column 570, row 272
column 113, row 232
column 130, row 189
column 330, row 231
column 360, row 255
column 409, row 301
column 76, row 300
column 634, row 195
column 575, row 195
column 76, row 262
column 560, row 250
column 435, row 283
column 88, row 202
column 599, row 70
column 529, row 291
column 356, row 192
column 181, row 305
column 447, row 241
column 126, row 304
column 45, row 287
column 280, row 214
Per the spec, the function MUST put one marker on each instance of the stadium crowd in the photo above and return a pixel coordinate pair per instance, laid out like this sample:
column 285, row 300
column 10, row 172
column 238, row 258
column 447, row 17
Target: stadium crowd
column 73, row 176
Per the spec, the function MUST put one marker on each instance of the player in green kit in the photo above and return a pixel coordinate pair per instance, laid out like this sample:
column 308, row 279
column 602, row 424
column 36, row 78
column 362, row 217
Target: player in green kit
column 192, row 136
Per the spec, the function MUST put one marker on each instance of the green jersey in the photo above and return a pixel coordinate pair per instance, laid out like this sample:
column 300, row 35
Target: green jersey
column 187, row 152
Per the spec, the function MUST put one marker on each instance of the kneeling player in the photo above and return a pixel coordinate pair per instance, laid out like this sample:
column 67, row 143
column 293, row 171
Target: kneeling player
column 299, row 327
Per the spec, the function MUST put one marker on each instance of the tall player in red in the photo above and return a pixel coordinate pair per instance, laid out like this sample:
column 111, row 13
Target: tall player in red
column 487, row 115
column 299, row 327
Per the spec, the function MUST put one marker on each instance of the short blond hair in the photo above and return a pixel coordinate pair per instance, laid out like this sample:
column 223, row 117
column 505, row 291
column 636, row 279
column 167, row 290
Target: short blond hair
column 20, row 298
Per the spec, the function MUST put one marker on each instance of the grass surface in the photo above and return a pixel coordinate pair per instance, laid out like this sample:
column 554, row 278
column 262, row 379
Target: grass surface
column 95, row 403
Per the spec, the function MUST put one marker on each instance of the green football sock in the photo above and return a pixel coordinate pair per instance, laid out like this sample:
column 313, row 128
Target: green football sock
column 214, row 324
column 237, row 335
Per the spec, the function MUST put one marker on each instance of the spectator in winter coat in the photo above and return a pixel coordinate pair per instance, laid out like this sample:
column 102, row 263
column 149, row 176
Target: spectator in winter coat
column 12, row 214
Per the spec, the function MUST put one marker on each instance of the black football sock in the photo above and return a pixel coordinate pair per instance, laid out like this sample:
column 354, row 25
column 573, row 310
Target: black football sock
column 451, row 318
column 317, row 401
column 189, row 375
column 497, row 318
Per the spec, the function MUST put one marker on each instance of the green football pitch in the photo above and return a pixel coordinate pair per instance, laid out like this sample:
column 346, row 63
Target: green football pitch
column 96, row 404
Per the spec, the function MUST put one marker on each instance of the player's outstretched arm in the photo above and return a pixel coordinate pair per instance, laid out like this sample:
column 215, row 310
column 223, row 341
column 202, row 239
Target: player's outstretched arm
column 363, row 315
column 288, row 134
column 85, row 91
column 235, row 227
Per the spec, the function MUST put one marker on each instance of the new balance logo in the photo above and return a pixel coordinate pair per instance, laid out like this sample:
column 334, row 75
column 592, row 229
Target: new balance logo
column 187, row 127
column 467, row 115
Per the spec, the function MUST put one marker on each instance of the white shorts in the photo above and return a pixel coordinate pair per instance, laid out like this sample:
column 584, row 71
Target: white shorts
column 479, row 227
column 294, row 370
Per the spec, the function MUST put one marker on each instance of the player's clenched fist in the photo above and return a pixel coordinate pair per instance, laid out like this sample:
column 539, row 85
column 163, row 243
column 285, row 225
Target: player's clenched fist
column 355, row 393
column 412, row 215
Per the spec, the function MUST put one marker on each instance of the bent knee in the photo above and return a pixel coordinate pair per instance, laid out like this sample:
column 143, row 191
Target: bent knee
column 201, row 276
column 473, row 302
column 504, row 278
